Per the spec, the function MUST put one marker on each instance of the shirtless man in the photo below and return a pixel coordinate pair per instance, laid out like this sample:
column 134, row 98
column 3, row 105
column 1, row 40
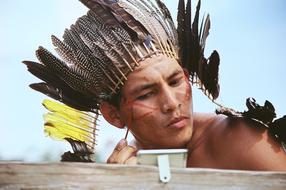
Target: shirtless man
column 156, row 106
column 127, row 60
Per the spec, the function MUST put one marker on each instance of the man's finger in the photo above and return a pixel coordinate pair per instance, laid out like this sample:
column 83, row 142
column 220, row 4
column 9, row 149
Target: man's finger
column 121, row 144
column 131, row 161
column 114, row 155
column 125, row 154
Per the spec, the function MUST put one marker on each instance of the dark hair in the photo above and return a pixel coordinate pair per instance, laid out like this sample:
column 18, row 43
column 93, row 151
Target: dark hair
column 114, row 99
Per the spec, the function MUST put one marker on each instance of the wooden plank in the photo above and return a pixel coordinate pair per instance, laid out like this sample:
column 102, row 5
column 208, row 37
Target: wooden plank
column 101, row 176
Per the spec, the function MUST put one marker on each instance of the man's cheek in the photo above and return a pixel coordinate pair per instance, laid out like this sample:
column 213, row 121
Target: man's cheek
column 183, row 94
column 142, row 111
column 135, row 111
column 127, row 112
column 187, row 89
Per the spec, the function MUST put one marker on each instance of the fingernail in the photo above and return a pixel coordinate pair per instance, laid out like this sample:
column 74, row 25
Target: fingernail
column 122, row 142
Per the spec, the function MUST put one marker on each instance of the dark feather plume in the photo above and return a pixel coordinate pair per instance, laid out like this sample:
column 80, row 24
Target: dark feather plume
column 192, row 40
column 56, row 88
column 67, row 96
column 212, row 73
column 181, row 30
column 189, row 49
column 80, row 152
column 195, row 25
column 197, row 56
column 119, row 17
column 205, row 31
column 164, row 9
column 169, row 19
column 261, row 116
column 41, row 71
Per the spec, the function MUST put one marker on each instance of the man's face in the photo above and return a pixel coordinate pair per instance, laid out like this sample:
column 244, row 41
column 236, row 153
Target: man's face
column 156, row 104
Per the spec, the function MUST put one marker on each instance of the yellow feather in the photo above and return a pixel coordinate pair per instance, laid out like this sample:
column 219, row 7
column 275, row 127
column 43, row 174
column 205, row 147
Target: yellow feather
column 71, row 112
column 65, row 122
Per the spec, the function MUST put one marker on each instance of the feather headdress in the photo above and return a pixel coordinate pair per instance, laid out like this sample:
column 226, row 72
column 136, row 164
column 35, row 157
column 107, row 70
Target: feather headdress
column 99, row 51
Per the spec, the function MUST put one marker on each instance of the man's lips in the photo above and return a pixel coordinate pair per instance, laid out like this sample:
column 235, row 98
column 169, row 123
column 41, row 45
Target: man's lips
column 178, row 123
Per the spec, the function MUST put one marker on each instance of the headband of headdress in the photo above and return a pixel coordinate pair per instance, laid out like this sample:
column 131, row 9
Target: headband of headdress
column 99, row 51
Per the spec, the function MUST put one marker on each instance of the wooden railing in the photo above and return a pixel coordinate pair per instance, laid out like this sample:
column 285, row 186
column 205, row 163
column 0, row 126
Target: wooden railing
column 101, row 176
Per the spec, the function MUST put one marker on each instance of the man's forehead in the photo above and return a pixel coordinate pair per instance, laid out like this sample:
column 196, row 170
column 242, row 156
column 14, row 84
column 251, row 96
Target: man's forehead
column 151, row 72
column 159, row 63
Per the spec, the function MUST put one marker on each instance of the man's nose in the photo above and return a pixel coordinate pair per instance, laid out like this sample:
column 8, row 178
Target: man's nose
column 169, row 102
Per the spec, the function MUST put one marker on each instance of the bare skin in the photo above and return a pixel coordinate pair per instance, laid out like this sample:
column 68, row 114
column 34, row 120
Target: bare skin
column 224, row 143
column 156, row 106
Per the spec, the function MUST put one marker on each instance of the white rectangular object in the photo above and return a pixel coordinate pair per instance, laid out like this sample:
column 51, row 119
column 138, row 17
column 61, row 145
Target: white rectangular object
column 177, row 157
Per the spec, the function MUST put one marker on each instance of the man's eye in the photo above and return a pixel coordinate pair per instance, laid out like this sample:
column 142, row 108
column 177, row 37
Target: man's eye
column 175, row 82
column 145, row 96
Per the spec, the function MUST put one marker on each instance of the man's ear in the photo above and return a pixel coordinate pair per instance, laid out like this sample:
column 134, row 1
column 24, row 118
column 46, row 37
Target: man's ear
column 111, row 114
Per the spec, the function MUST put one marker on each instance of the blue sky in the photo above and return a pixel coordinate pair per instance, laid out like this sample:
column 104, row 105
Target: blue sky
column 249, row 35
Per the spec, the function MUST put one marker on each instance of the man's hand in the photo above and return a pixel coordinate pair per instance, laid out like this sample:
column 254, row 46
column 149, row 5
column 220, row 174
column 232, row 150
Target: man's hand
column 123, row 154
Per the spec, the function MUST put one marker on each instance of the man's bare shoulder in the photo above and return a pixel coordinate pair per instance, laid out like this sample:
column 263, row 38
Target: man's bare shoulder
column 240, row 144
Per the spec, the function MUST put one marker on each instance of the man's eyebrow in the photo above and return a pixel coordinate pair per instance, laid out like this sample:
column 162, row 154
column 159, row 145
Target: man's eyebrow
column 142, row 87
column 174, row 74
column 152, row 85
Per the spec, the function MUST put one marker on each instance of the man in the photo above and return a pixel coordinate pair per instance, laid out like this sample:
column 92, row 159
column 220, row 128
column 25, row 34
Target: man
column 127, row 60
column 158, row 111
